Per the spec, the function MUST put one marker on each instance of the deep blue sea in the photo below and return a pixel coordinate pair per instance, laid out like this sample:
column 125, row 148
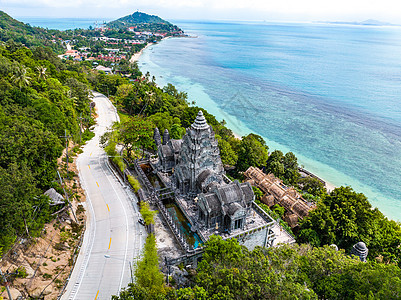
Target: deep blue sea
column 329, row 93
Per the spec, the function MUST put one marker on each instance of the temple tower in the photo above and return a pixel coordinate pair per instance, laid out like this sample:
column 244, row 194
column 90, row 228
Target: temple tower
column 199, row 164
column 157, row 137
column 166, row 137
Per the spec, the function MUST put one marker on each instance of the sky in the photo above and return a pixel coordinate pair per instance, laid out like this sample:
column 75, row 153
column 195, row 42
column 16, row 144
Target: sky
column 257, row 10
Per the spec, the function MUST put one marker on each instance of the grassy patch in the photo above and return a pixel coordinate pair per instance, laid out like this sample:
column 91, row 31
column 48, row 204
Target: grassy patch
column 87, row 135
column 124, row 116
column 134, row 183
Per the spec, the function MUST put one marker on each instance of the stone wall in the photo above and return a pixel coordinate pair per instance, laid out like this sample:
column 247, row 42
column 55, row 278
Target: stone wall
column 251, row 240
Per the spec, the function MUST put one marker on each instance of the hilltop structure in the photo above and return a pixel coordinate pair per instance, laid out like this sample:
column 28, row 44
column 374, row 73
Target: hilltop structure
column 212, row 203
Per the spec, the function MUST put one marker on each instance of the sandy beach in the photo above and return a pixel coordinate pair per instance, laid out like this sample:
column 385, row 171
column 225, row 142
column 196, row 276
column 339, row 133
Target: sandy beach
column 137, row 55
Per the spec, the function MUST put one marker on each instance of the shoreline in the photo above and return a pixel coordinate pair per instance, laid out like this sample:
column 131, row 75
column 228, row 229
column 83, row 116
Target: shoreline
column 135, row 57
column 328, row 185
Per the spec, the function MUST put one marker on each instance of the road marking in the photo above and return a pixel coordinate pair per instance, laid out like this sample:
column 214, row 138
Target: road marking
column 97, row 294
column 108, row 208
column 126, row 218
column 89, row 166
column 90, row 154
column 110, row 243
column 97, row 184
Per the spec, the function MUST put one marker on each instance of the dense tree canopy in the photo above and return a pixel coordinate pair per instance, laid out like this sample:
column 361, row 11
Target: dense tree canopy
column 230, row 271
column 39, row 100
column 283, row 166
column 344, row 218
column 135, row 133
column 252, row 152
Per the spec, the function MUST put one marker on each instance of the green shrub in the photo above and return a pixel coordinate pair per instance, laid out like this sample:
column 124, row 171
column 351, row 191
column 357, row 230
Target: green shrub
column 119, row 162
column 110, row 149
column 80, row 209
column 75, row 227
column 134, row 183
column 147, row 213
column 64, row 236
column 279, row 210
column 87, row 135
column 21, row 272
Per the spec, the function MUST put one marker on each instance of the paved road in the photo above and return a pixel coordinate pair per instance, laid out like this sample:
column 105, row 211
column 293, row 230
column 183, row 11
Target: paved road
column 113, row 237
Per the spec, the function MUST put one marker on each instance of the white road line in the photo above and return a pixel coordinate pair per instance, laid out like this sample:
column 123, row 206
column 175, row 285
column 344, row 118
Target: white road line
column 136, row 247
column 126, row 221
column 91, row 240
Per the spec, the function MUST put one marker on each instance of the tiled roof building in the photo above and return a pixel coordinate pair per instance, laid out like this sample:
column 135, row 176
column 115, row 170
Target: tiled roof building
column 277, row 193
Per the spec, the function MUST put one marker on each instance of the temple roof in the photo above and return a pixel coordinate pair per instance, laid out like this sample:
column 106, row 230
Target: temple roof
column 200, row 122
column 233, row 208
column 176, row 145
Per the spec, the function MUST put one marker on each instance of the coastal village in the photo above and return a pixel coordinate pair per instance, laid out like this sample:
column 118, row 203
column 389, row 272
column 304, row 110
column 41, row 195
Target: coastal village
column 105, row 45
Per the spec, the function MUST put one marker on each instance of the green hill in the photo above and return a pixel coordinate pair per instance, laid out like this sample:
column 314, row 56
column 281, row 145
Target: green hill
column 143, row 20
column 11, row 29
column 8, row 23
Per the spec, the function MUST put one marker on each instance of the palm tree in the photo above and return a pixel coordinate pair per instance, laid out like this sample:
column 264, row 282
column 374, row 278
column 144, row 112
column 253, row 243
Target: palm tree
column 21, row 77
column 41, row 72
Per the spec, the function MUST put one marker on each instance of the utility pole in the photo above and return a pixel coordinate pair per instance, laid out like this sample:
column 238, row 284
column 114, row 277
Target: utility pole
column 6, row 283
column 67, row 197
column 80, row 127
column 66, row 145
column 91, row 105
column 130, row 267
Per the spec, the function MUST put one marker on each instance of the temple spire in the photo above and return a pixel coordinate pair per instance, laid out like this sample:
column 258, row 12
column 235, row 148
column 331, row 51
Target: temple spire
column 200, row 122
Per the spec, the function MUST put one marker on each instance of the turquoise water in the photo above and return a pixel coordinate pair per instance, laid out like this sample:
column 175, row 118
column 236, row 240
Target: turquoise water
column 329, row 93
column 192, row 238
column 62, row 23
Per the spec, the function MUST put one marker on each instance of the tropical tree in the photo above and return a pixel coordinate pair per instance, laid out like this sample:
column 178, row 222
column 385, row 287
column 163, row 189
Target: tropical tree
column 41, row 72
column 227, row 154
column 135, row 133
column 20, row 77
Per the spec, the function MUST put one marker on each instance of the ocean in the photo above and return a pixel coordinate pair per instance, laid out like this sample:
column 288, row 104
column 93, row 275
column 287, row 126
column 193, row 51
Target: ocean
column 63, row 23
column 329, row 93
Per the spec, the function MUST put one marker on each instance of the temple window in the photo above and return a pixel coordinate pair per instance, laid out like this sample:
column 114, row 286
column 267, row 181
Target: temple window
column 238, row 224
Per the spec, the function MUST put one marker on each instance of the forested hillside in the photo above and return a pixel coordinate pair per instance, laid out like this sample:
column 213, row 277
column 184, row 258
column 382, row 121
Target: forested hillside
column 11, row 29
column 40, row 98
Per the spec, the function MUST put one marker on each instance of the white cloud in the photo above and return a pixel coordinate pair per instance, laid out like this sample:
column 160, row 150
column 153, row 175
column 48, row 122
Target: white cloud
column 236, row 9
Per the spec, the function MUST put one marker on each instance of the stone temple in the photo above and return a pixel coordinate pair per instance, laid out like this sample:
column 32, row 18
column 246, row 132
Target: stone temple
column 199, row 166
column 212, row 203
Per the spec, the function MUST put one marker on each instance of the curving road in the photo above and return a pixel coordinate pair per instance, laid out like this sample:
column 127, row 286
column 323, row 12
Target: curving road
column 113, row 236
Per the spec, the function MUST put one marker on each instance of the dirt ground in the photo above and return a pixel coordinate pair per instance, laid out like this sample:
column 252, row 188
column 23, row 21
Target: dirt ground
column 47, row 260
